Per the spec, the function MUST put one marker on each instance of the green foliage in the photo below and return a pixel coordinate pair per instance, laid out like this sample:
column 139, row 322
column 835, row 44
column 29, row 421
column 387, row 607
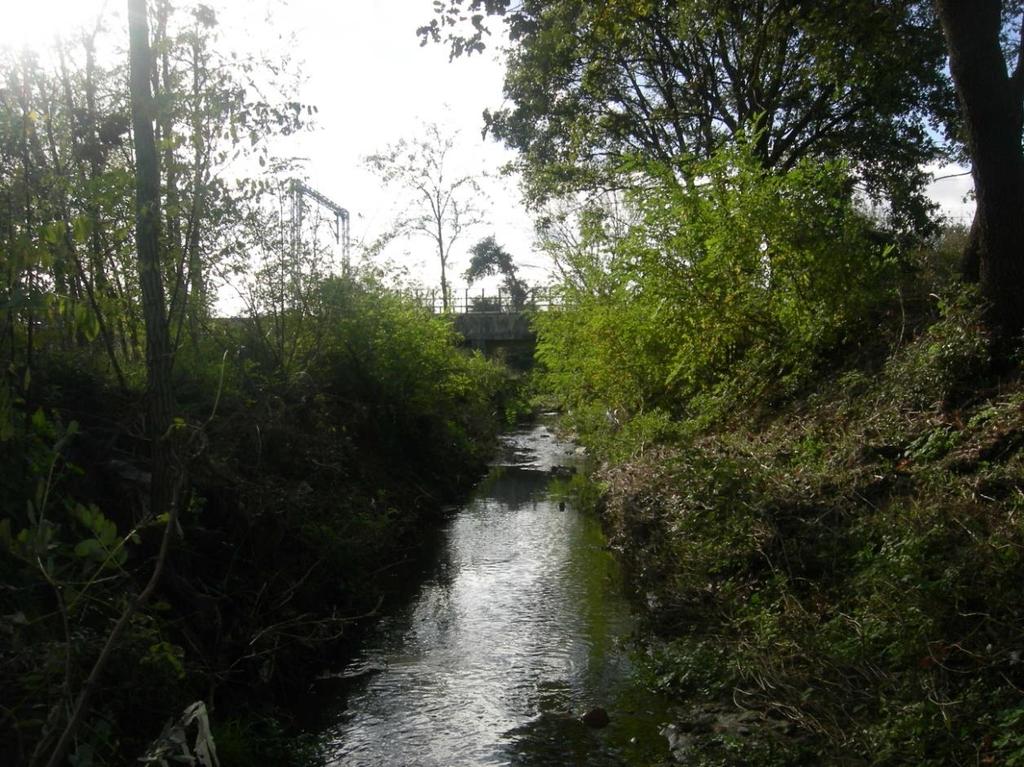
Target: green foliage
column 954, row 353
column 1010, row 742
column 590, row 85
column 729, row 292
column 316, row 433
column 329, row 471
column 423, row 393
column 688, row 665
column 104, row 546
column 777, row 268
column 67, row 567
column 70, row 276
column 488, row 258
column 846, row 569
column 165, row 657
column 605, row 352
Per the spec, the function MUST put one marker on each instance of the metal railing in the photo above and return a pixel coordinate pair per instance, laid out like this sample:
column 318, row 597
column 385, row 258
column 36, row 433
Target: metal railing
column 500, row 302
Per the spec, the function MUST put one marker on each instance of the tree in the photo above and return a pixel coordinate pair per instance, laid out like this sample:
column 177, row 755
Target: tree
column 581, row 240
column 443, row 208
column 992, row 103
column 147, row 239
column 489, row 259
column 91, row 149
column 594, row 86
column 163, row 469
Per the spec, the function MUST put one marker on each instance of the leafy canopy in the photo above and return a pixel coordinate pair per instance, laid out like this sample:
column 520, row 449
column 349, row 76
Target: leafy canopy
column 717, row 295
column 488, row 258
column 591, row 85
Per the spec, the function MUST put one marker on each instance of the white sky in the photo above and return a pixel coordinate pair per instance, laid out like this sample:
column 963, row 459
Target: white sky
column 373, row 84
column 952, row 190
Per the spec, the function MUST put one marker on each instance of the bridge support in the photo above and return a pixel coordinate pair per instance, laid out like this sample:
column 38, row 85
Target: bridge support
column 500, row 334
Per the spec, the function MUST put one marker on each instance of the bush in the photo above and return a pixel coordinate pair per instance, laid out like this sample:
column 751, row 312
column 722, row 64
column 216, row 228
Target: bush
column 327, row 464
column 849, row 565
column 723, row 294
column 953, row 355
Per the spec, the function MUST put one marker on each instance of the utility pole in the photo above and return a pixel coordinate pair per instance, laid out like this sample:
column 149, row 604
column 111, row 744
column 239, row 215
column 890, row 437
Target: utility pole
column 341, row 219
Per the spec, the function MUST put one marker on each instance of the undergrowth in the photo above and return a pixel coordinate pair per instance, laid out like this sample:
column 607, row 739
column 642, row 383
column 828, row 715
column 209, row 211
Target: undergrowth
column 846, row 567
column 306, row 488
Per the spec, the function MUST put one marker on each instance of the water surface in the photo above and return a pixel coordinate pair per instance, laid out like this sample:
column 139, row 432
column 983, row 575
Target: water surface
column 519, row 626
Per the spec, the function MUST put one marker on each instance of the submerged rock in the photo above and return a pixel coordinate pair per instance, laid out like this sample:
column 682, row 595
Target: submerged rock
column 597, row 717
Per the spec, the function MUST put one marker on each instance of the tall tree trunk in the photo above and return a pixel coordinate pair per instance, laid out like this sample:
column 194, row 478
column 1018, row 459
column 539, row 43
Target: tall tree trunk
column 200, row 164
column 147, row 236
column 158, row 358
column 991, row 102
column 444, row 259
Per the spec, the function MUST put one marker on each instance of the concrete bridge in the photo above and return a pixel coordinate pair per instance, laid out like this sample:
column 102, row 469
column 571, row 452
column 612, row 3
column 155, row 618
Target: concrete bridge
column 493, row 323
column 494, row 327
column 506, row 334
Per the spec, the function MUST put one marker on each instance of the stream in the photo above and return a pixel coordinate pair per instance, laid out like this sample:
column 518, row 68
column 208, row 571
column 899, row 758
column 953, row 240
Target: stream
column 516, row 627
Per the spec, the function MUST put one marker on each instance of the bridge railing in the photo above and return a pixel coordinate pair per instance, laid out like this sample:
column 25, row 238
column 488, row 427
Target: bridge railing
column 495, row 302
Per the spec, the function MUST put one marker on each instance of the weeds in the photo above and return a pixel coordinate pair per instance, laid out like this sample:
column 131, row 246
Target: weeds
column 849, row 565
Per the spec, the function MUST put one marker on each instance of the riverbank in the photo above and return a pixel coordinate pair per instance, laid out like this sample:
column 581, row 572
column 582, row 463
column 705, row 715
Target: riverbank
column 299, row 491
column 835, row 579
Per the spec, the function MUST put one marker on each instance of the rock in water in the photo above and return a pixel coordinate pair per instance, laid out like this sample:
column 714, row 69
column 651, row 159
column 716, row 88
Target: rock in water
column 597, row 717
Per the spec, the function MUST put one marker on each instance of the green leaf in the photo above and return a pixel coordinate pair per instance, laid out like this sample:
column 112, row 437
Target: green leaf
column 52, row 233
column 92, row 327
column 87, row 321
column 106, row 532
column 82, row 229
column 39, row 420
column 90, row 548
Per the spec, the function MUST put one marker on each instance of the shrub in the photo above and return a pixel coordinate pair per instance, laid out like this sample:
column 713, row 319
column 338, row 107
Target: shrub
column 723, row 293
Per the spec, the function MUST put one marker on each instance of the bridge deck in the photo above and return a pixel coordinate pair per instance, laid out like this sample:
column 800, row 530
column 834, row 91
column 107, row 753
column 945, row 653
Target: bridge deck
column 493, row 327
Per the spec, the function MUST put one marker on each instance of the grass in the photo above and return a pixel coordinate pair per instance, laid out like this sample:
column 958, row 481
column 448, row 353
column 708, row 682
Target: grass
column 846, row 568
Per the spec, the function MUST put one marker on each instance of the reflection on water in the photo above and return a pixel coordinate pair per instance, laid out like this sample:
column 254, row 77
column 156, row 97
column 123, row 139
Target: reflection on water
column 515, row 631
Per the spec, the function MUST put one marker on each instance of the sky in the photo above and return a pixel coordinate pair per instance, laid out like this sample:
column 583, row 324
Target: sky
column 952, row 190
column 374, row 84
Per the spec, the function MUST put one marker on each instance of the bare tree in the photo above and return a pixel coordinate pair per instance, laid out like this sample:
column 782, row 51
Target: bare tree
column 443, row 206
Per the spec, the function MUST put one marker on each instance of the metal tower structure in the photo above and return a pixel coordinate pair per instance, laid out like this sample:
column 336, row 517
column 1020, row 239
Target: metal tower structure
column 341, row 217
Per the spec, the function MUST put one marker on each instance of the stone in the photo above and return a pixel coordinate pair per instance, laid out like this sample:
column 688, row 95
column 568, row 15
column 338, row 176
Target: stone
column 597, row 717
